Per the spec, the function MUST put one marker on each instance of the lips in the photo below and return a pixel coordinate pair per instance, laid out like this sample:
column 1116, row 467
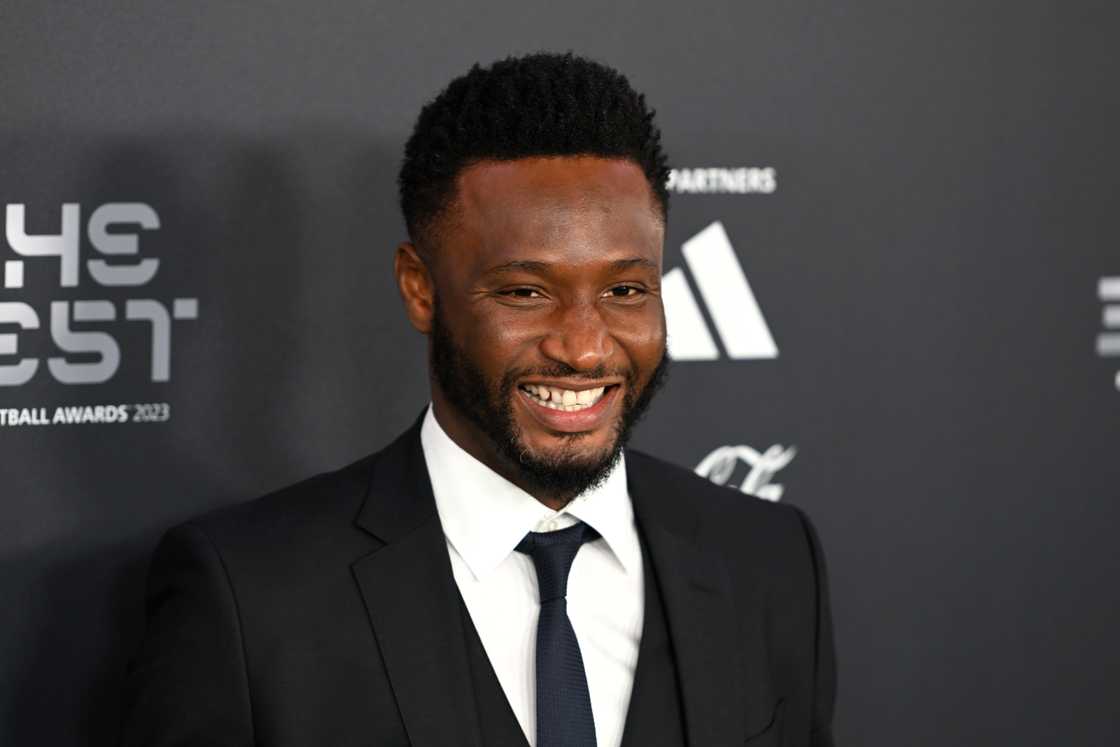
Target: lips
column 569, row 410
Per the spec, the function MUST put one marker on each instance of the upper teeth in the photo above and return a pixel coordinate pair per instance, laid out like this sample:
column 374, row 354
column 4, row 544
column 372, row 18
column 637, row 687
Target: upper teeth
column 564, row 399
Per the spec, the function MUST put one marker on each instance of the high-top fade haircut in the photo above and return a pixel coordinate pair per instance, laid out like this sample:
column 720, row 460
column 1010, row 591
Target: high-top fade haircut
column 536, row 105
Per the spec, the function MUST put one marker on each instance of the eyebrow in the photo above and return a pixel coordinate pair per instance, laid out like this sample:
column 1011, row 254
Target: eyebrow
column 531, row 265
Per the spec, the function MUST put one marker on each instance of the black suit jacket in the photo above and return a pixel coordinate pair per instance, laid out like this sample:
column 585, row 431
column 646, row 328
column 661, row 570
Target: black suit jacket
column 327, row 614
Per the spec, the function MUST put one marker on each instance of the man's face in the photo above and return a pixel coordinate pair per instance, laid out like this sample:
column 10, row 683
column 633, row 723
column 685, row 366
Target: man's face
column 547, row 333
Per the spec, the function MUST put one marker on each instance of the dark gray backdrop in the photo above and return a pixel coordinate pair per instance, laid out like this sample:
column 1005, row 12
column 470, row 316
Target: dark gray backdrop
column 928, row 266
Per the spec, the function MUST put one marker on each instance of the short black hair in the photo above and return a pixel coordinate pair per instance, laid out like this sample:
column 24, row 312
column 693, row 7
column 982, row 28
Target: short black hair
column 541, row 104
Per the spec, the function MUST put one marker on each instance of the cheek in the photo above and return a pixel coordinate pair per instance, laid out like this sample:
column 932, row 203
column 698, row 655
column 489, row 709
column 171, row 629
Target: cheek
column 642, row 337
column 497, row 340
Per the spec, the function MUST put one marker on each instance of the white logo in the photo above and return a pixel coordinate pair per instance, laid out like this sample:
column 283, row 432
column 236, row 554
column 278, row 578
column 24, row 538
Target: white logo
column 1108, row 343
column 116, row 268
column 728, row 296
column 76, row 339
column 720, row 467
column 740, row 181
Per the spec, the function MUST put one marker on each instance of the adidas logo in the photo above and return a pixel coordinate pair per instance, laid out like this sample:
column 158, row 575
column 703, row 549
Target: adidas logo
column 727, row 295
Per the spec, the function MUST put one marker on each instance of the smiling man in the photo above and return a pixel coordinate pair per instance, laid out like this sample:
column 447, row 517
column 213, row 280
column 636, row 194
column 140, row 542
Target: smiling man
column 505, row 573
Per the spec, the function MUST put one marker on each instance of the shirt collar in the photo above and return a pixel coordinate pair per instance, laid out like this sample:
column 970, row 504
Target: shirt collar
column 485, row 516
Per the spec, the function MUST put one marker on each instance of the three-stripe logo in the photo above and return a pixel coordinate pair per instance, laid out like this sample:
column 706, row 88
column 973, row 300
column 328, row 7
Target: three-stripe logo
column 728, row 297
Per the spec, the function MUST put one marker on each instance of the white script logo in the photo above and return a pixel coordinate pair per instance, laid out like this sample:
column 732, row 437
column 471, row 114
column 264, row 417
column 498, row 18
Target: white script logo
column 722, row 465
column 728, row 296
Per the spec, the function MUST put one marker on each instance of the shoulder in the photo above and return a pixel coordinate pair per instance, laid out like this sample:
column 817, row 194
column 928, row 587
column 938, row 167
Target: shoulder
column 737, row 525
column 311, row 519
column 324, row 497
column 713, row 504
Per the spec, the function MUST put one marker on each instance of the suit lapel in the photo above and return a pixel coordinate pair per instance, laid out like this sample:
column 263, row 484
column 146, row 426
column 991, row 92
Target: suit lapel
column 698, row 605
column 410, row 596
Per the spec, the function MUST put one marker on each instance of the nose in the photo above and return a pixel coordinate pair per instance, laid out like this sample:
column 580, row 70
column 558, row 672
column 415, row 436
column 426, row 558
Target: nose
column 580, row 339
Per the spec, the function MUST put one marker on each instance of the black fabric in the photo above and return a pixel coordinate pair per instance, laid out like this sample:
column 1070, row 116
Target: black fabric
column 564, row 717
column 654, row 718
column 327, row 614
column 497, row 722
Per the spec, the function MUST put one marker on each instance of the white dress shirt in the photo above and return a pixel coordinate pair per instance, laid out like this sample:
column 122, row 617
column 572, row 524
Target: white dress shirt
column 484, row 517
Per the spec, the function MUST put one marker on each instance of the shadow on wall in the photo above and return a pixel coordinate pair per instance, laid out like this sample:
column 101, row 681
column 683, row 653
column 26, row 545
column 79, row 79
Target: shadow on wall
column 77, row 617
column 277, row 378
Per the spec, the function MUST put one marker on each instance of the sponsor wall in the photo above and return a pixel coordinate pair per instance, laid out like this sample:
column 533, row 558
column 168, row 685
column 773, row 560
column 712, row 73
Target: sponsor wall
column 891, row 278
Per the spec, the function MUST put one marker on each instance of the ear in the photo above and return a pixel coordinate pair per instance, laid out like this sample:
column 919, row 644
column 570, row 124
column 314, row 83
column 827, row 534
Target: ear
column 415, row 284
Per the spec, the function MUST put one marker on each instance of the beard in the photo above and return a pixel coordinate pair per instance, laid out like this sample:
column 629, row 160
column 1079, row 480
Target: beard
column 488, row 405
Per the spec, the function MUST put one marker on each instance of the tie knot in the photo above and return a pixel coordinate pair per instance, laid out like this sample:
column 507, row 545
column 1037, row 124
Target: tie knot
column 552, row 554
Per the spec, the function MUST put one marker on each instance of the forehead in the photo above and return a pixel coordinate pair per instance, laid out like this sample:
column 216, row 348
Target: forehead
column 568, row 205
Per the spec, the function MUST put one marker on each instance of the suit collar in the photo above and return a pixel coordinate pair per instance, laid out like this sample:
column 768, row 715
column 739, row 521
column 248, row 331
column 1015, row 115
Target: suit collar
column 399, row 498
column 411, row 601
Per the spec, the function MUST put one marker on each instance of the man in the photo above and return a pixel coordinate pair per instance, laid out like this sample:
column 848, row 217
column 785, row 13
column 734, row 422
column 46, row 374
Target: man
column 502, row 574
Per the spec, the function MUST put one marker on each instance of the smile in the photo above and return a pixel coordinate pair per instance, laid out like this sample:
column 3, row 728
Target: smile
column 565, row 400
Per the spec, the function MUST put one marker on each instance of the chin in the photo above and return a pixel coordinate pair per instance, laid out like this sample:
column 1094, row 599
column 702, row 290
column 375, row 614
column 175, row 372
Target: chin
column 578, row 450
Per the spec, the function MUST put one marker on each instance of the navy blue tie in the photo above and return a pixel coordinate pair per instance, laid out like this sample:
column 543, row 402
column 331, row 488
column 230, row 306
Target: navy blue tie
column 564, row 717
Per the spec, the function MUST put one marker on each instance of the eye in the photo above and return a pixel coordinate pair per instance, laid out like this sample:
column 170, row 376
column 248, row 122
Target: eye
column 529, row 293
column 625, row 291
